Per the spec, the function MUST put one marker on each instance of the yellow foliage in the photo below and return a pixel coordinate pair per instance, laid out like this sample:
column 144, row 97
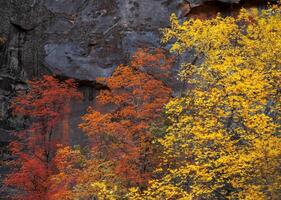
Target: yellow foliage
column 2, row 40
column 223, row 141
column 104, row 191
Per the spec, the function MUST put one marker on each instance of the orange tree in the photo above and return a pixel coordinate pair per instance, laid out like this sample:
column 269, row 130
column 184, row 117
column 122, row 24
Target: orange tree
column 44, row 105
column 136, row 96
column 83, row 176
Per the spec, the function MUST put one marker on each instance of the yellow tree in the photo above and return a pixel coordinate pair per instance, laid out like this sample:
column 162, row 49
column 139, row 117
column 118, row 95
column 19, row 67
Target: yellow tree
column 223, row 141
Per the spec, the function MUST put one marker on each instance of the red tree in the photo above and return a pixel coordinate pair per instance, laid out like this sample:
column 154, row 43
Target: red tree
column 136, row 95
column 45, row 105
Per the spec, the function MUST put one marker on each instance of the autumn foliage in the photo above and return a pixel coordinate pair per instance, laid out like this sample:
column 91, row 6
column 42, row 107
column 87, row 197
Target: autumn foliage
column 44, row 106
column 121, row 151
column 122, row 135
column 83, row 176
column 219, row 139
column 223, row 139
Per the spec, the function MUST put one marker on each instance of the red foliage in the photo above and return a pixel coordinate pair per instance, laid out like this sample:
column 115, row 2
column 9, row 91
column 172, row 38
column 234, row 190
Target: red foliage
column 137, row 97
column 156, row 64
column 45, row 105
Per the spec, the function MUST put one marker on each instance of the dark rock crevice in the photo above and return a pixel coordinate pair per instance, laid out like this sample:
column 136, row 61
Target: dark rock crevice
column 210, row 8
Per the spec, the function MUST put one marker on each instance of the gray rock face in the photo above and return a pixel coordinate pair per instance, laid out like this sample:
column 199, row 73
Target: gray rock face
column 90, row 38
column 200, row 2
column 82, row 39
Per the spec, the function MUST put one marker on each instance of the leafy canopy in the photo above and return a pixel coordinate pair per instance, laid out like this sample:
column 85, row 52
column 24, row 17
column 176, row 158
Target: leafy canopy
column 223, row 141
column 136, row 97
column 45, row 104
